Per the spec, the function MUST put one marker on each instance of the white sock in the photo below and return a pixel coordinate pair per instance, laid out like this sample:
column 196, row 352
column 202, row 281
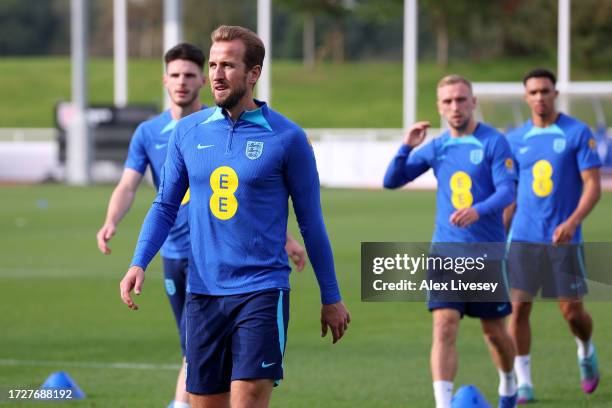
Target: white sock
column 179, row 404
column 507, row 383
column 522, row 366
column 585, row 348
column 443, row 393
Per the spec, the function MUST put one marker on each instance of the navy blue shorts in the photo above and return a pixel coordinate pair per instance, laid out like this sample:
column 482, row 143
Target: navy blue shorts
column 474, row 303
column 557, row 270
column 236, row 337
column 480, row 310
column 175, row 280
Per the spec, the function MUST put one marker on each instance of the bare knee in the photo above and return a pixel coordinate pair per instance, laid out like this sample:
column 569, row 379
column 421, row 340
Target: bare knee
column 573, row 312
column 251, row 393
column 495, row 332
column 521, row 312
column 209, row 401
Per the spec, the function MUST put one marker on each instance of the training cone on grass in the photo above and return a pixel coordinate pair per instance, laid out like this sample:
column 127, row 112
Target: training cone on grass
column 61, row 381
column 468, row 396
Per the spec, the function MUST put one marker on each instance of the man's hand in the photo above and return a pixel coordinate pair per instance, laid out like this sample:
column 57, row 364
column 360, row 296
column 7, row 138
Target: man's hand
column 295, row 252
column 464, row 217
column 564, row 232
column 133, row 279
column 104, row 235
column 337, row 317
column 416, row 134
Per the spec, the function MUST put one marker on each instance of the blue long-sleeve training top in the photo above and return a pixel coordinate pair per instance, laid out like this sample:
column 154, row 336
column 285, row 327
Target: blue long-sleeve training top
column 240, row 175
column 472, row 171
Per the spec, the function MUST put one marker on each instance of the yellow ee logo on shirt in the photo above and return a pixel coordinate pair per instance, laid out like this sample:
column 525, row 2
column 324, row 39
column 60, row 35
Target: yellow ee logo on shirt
column 461, row 184
column 185, row 198
column 224, row 183
column 542, row 183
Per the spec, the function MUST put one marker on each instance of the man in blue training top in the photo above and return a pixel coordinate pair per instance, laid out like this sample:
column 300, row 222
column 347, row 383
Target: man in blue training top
column 559, row 184
column 473, row 166
column 241, row 162
column 183, row 80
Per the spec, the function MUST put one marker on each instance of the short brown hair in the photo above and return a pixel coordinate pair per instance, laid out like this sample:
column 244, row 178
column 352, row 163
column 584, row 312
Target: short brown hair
column 254, row 49
column 454, row 79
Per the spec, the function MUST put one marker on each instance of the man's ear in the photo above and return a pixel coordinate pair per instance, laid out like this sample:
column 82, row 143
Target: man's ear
column 254, row 74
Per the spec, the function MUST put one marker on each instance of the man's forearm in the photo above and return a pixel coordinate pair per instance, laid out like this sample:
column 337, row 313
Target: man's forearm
column 509, row 215
column 123, row 196
column 590, row 196
column 119, row 204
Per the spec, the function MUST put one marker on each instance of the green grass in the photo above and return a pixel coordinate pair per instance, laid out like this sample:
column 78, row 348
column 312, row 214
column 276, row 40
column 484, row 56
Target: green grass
column 60, row 302
column 358, row 95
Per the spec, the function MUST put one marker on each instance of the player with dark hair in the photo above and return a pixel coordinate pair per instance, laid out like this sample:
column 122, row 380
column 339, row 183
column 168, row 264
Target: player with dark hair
column 558, row 186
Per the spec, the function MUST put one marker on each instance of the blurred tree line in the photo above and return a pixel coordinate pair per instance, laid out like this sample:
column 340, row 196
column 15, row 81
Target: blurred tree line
column 336, row 30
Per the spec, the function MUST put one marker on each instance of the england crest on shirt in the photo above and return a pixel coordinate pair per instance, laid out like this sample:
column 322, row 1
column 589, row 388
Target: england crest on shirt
column 476, row 156
column 559, row 145
column 253, row 149
column 170, row 287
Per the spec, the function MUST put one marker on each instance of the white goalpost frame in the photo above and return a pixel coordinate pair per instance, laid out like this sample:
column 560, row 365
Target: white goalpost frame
column 487, row 90
column 78, row 161
column 173, row 33
column 566, row 87
column 78, row 138
column 410, row 62
column 120, row 52
column 264, row 30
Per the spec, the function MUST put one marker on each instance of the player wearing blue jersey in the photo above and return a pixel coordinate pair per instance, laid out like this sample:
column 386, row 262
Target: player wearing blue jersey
column 183, row 80
column 241, row 162
column 559, row 184
column 473, row 166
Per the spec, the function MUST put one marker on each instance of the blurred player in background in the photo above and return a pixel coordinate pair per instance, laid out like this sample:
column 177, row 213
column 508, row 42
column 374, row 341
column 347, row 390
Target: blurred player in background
column 476, row 180
column 241, row 162
column 183, row 80
column 559, row 184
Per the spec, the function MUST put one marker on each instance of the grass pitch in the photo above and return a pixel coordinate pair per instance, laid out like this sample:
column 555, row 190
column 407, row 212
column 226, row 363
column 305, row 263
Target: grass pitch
column 351, row 95
column 60, row 310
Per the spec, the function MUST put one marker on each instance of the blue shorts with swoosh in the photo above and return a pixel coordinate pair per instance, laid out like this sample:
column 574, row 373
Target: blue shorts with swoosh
column 480, row 310
column 558, row 270
column 478, row 306
column 236, row 337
